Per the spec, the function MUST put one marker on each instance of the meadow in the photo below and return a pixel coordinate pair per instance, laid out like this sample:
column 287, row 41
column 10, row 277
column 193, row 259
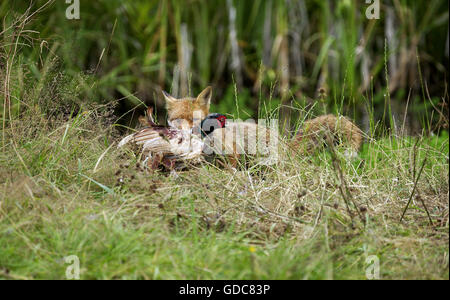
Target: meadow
column 71, row 89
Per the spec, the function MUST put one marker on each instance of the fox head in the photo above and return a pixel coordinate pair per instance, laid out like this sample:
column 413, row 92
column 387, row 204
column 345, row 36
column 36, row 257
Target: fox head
column 188, row 111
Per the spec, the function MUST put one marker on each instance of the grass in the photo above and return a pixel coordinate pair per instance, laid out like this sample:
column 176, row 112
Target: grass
column 207, row 223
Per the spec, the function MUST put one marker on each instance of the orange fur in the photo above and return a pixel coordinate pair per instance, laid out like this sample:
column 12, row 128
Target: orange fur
column 317, row 131
column 187, row 108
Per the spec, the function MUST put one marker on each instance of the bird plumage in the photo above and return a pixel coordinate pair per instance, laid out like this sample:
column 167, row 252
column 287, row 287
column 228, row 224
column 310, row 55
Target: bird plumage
column 165, row 141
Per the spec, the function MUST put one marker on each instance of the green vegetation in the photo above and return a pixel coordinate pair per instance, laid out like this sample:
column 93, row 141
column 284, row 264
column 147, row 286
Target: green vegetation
column 66, row 190
column 286, row 51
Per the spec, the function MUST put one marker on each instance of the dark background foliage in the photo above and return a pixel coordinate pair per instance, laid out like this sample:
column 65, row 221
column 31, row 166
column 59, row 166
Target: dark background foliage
column 258, row 55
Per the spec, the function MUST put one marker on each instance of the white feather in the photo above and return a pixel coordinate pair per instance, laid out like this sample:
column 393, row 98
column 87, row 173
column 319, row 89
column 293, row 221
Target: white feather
column 125, row 140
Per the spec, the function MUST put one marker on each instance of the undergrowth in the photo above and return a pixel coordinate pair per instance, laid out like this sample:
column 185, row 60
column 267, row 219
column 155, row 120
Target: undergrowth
column 66, row 190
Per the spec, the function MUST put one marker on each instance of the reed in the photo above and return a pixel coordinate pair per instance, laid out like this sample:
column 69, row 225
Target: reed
column 300, row 46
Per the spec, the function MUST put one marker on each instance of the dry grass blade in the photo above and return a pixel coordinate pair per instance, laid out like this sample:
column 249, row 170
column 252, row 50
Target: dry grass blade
column 343, row 187
column 426, row 209
column 414, row 188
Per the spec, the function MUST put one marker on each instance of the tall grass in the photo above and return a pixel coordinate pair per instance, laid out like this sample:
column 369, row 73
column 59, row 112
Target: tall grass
column 66, row 190
column 298, row 46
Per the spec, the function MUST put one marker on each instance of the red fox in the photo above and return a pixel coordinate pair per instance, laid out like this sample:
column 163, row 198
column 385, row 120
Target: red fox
column 312, row 134
column 194, row 132
column 232, row 140
column 188, row 111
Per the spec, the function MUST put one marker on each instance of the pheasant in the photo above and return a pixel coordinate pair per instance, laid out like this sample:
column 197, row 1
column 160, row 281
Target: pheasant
column 166, row 145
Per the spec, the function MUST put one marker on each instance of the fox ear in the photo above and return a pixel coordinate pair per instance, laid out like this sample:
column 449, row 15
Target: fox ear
column 168, row 97
column 149, row 111
column 205, row 96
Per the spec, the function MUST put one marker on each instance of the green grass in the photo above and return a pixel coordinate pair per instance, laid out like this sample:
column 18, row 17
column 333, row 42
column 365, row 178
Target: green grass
column 205, row 223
